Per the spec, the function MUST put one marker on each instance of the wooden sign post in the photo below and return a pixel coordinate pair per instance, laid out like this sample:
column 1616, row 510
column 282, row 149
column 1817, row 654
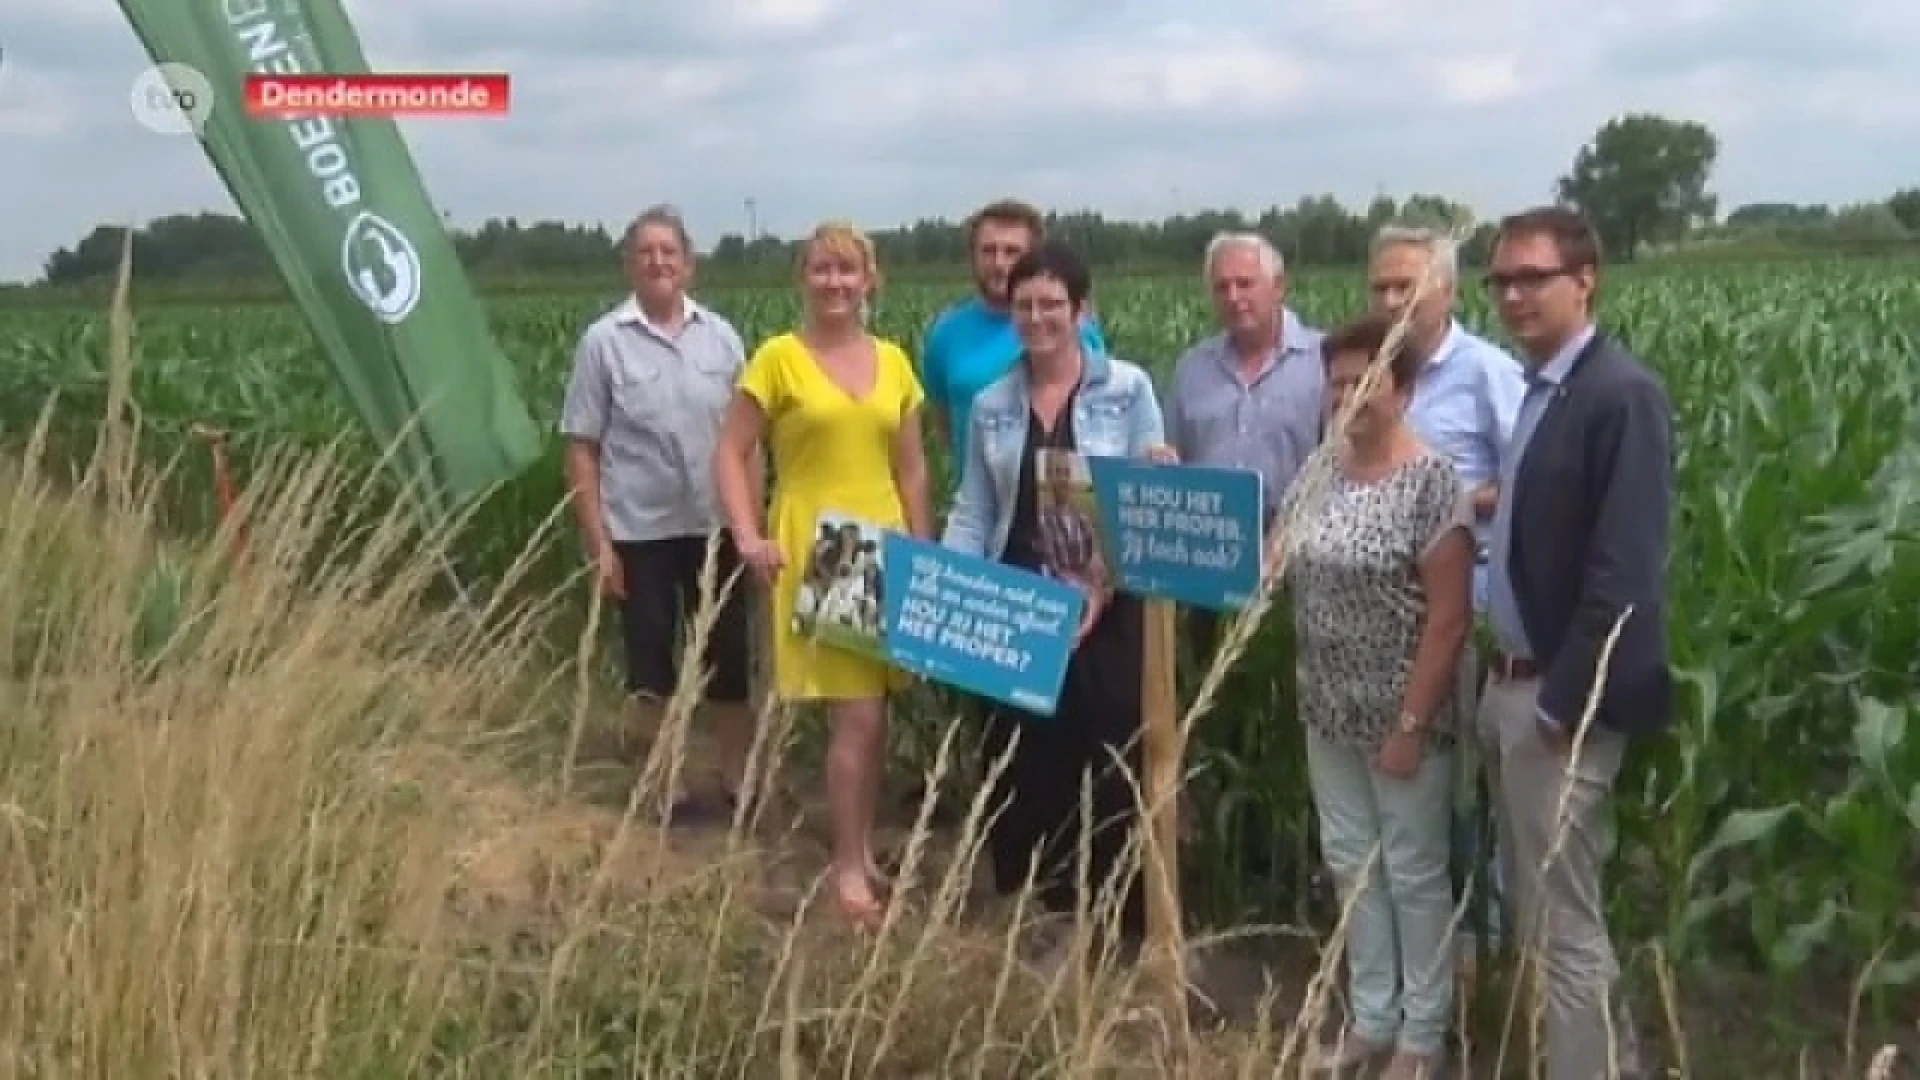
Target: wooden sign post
column 1177, row 535
column 1164, row 752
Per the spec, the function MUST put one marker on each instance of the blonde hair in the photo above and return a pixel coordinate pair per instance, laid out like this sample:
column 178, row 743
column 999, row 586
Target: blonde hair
column 843, row 239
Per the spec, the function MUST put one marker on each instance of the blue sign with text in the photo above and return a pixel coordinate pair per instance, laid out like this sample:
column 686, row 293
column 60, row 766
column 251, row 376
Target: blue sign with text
column 1187, row 533
column 995, row 630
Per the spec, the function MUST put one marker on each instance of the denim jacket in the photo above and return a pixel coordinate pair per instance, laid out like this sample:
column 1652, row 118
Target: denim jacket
column 1115, row 414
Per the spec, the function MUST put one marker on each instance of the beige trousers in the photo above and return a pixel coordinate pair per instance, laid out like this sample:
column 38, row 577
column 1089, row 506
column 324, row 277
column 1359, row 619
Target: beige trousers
column 1553, row 819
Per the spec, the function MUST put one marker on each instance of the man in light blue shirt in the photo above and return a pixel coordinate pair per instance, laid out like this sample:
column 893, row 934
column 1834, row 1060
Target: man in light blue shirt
column 1465, row 406
column 972, row 344
column 1468, row 395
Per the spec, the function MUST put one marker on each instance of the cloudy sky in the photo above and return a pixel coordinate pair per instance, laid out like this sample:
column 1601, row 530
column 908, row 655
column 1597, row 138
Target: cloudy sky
column 887, row 110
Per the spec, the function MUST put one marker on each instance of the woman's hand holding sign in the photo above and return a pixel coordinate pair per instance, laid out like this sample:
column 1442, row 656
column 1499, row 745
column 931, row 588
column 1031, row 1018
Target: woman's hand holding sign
column 1097, row 598
column 763, row 557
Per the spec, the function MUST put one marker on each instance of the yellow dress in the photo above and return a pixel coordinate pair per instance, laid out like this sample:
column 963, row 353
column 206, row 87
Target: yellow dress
column 832, row 455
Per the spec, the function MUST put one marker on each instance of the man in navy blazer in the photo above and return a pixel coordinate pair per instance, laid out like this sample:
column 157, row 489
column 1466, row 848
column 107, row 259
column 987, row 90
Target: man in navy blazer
column 1576, row 596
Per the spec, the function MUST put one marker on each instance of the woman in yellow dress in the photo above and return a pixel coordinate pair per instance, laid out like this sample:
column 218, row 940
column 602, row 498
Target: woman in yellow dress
column 840, row 412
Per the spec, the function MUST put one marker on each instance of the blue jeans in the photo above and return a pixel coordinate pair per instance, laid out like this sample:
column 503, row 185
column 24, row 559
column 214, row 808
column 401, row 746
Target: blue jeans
column 1399, row 954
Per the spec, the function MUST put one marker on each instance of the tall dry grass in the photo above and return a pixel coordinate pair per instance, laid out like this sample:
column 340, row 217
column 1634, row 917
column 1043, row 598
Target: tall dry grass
column 260, row 821
column 217, row 863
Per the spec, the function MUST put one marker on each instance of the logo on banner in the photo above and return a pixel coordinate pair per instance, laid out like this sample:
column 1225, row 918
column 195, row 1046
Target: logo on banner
column 382, row 267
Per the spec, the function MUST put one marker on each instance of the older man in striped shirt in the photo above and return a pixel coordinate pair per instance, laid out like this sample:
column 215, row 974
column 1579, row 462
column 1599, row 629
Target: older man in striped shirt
column 1253, row 395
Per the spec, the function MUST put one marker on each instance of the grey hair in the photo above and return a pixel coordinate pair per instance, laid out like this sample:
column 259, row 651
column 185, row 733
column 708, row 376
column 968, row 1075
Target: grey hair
column 658, row 214
column 1438, row 245
column 1270, row 258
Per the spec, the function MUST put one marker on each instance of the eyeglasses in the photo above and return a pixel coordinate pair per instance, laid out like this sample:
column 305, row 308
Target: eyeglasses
column 1526, row 279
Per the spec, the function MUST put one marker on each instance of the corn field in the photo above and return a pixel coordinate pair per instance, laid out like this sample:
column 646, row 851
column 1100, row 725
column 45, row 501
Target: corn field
column 1776, row 829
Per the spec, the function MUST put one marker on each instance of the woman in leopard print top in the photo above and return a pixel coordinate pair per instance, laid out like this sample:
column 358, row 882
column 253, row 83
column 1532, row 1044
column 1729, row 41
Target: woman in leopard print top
column 1379, row 567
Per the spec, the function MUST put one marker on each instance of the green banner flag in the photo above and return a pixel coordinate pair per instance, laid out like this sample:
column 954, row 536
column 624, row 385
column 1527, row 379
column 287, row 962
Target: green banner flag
column 347, row 219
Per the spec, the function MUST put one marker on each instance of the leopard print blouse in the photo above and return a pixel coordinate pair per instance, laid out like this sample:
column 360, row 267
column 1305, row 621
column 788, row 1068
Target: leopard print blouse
column 1358, row 604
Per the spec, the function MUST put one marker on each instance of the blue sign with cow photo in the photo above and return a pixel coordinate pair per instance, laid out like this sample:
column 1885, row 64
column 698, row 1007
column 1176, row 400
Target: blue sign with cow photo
column 979, row 625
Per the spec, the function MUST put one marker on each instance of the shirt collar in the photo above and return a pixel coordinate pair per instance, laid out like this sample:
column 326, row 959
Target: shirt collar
column 1293, row 333
column 630, row 312
column 1455, row 337
column 1560, row 365
column 1099, row 367
column 1293, row 342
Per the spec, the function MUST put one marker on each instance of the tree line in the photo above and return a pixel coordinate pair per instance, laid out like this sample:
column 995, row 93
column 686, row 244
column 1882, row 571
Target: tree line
column 1642, row 178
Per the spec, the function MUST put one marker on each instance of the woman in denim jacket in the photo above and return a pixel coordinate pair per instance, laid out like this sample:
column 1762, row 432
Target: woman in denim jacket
column 1061, row 396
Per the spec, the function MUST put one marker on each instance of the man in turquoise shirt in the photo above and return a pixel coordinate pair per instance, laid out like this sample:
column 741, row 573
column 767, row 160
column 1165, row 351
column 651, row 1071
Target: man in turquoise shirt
column 973, row 343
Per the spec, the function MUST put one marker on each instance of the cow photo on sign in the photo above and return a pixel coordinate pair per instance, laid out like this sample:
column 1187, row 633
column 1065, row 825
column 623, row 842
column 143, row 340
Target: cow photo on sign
column 841, row 598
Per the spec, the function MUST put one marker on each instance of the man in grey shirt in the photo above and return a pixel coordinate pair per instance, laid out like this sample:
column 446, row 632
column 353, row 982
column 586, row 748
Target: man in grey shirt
column 651, row 380
column 1253, row 395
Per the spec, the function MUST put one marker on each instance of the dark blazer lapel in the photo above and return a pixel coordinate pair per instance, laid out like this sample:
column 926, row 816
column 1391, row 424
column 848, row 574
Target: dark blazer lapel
column 1552, row 414
column 1596, row 346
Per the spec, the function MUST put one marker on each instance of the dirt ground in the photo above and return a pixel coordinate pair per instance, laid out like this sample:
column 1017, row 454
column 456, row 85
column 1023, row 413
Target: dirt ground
column 533, row 840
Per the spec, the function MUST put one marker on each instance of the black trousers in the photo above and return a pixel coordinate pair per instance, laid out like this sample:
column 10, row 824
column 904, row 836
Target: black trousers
column 1205, row 627
column 663, row 595
column 1040, row 799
